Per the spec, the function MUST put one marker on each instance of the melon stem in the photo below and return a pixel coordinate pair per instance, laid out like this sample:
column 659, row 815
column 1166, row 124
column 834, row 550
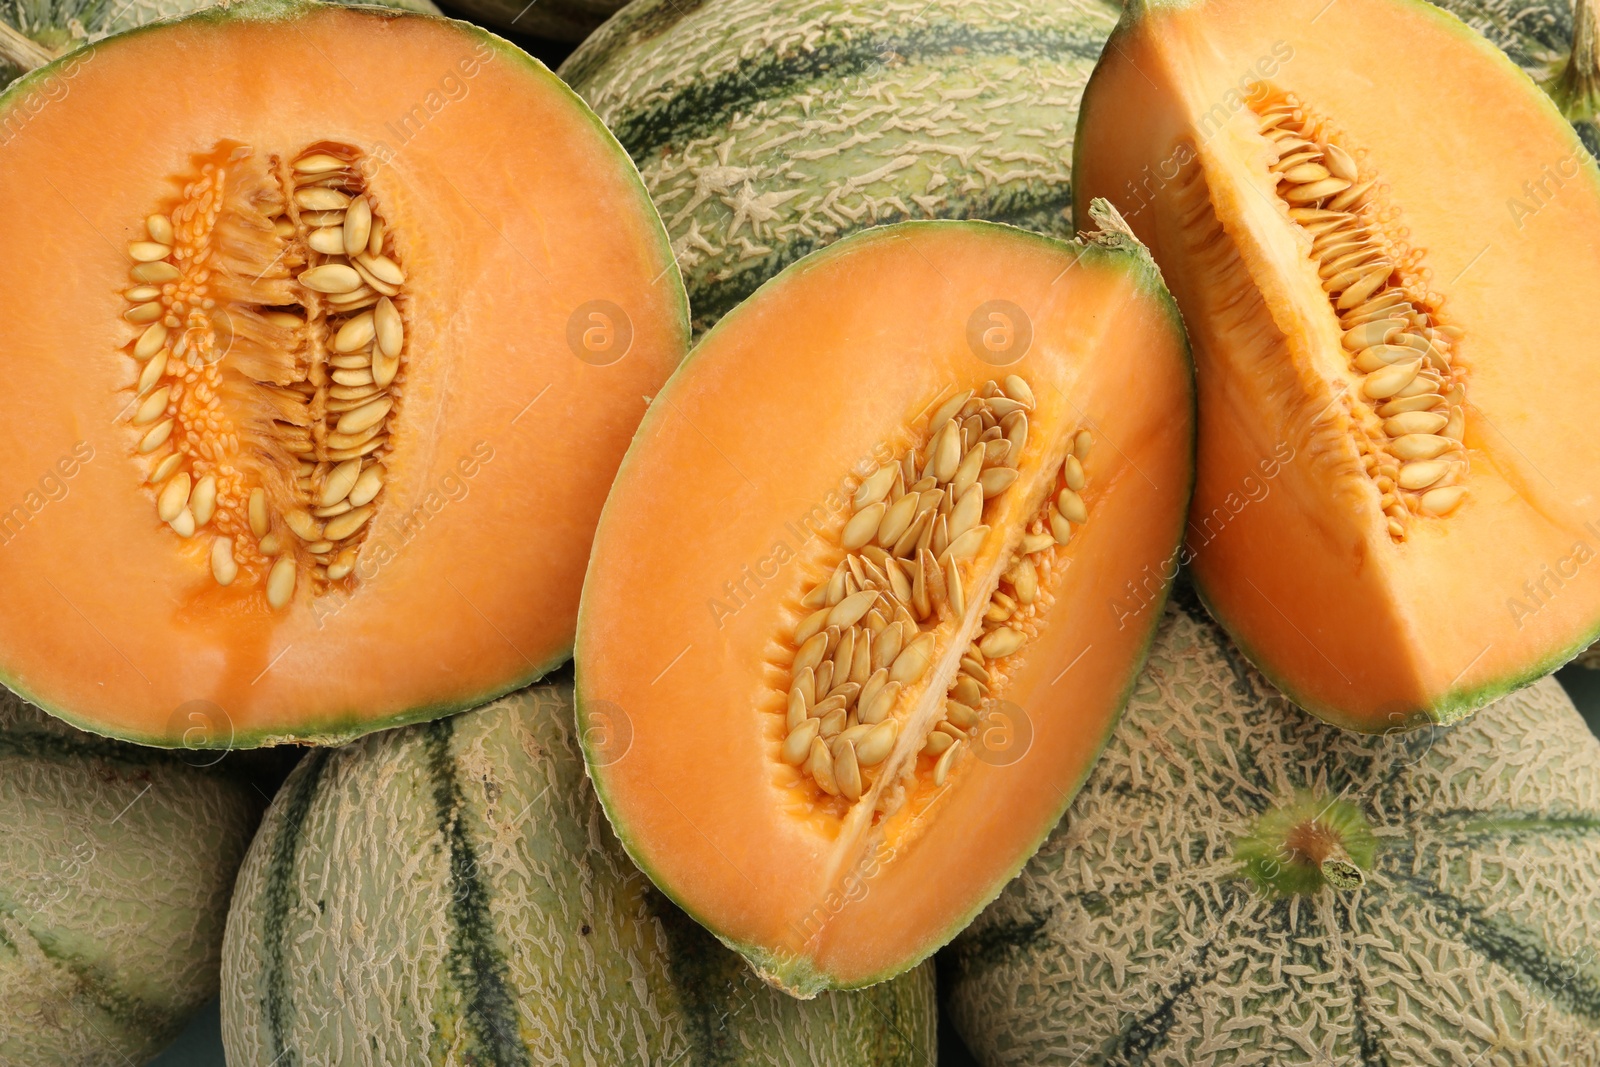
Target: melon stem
column 1308, row 843
column 1576, row 86
column 21, row 51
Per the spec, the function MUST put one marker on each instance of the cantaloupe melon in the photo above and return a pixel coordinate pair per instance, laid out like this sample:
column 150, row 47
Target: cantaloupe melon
column 765, row 129
column 116, row 864
column 873, row 582
column 318, row 375
column 1397, row 344
column 1138, row 934
column 449, row 894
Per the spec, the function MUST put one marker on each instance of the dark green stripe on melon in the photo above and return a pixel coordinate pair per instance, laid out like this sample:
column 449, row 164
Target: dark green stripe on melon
column 703, row 106
column 278, row 894
column 475, row 963
column 450, row 893
column 765, row 129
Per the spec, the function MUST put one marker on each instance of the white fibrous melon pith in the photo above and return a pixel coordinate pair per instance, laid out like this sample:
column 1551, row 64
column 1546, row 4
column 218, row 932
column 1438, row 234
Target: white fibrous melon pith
column 116, row 864
column 766, row 130
column 1140, row 931
column 480, row 911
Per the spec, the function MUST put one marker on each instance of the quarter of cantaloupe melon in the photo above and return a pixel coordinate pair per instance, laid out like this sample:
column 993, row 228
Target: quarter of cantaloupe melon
column 1180, row 915
column 1385, row 241
column 874, row 580
column 317, row 375
column 449, row 894
column 116, row 864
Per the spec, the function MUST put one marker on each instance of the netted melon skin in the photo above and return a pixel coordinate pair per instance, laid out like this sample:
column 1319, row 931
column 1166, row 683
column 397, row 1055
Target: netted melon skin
column 451, row 893
column 62, row 24
column 1130, row 939
column 765, row 129
column 116, row 865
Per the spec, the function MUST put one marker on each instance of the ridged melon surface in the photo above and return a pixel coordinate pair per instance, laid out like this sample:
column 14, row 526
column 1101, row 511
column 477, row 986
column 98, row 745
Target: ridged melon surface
column 767, row 128
column 116, row 864
column 451, row 894
column 59, row 25
column 1130, row 938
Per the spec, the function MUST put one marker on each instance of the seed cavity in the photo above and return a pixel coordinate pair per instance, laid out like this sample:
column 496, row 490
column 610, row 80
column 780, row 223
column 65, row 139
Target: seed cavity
column 1410, row 401
column 868, row 634
column 269, row 312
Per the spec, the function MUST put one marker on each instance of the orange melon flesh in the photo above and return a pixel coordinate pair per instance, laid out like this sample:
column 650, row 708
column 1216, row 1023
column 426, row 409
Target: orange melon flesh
column 511, row 208
column 1290, row 547
column 729, row 507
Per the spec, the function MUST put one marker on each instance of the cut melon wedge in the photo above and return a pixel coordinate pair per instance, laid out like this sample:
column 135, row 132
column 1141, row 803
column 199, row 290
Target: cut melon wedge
column 1386, row 244
column 316, row 375
column 874, row 581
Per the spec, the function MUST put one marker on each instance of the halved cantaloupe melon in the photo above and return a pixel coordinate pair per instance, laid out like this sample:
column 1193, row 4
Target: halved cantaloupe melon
column 332, row 329
column 1386, row 243
column 874, row 581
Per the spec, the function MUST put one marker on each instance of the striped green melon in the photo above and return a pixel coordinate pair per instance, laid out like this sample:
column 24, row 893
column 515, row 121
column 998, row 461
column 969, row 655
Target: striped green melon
column 767, row 128
column 450, row 893
column 116, row 864
column 1132, row 936
column 35, row 31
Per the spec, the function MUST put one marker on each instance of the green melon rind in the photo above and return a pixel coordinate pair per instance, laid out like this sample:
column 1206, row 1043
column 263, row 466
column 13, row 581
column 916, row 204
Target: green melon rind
column 338, row 730
column 1149, row 846
column 468, row 852
column 1453, row 705
column 794, row 975
column 99, row 961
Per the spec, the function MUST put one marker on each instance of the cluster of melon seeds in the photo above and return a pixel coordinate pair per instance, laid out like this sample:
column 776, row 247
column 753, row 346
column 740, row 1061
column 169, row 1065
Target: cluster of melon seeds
column 1411, row 408
column 870, row 632
column 269, row 309
column 1013, row 614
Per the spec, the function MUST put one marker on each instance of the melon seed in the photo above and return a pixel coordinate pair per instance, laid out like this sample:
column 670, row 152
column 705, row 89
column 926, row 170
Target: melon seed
column 280, row 582
column 223, row 567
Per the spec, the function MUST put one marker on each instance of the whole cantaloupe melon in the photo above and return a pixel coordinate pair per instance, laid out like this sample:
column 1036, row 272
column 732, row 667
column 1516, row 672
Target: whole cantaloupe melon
column 115, row 867
column 450, row 893
column 765, row 129
column 1136, row 936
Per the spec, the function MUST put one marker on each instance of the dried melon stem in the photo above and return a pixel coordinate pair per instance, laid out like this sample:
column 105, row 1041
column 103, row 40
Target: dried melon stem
column 1408, row 401
column 871, row 630
column 1309, row 842
column 1576, row 86
column 269, row 320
